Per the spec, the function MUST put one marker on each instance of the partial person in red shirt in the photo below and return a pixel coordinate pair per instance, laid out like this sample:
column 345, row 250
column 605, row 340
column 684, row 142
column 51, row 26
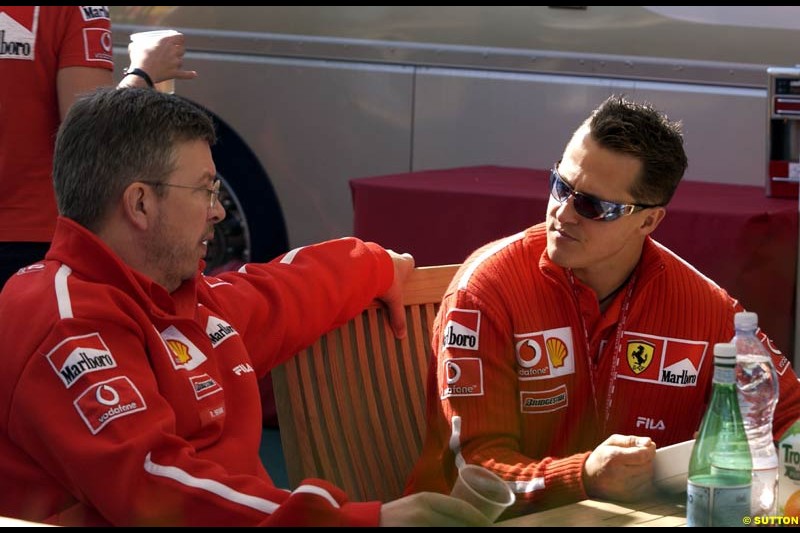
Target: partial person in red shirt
column 129, row 392
column 49, row 56
column 566, row 353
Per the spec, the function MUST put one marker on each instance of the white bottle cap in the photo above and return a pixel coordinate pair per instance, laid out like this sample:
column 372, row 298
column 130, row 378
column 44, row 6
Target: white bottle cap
column 745, row 320
column 724, row 352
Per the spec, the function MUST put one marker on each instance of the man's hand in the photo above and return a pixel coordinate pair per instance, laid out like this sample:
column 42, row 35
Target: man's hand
column 431, row 509
column 621, row 468
column 393, row 298
column 161, row 59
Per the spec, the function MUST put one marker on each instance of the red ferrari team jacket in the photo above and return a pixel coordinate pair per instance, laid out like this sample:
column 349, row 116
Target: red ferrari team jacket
column 121, row 403
column 529, row 376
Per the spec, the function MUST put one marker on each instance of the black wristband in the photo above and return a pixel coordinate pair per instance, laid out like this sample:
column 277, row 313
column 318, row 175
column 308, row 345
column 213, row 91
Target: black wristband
column 142, row 74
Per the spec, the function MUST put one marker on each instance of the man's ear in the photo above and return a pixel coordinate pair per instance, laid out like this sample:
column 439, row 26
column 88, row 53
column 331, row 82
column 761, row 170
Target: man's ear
column 652, row 219
column 138, row 204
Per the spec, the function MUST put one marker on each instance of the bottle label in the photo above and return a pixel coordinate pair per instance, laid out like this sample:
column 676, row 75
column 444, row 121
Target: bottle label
column 724, row 374
column 789, row 475
column 709, row 505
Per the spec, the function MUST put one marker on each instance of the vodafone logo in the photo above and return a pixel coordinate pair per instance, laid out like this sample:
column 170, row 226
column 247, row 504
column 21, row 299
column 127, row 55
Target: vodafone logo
column 462, row 376
column 544, row 354
column 452, row 371
column 105, row 42
column 106, row 395
column 529, row 353
column 108, row 400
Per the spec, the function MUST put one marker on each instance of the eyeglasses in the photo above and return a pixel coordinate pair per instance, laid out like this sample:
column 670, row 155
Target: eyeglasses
column 588, row 206
column 213, row 191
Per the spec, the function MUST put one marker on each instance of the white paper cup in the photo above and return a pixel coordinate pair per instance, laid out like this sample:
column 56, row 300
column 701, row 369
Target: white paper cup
column 149, row 38
column 484, row 490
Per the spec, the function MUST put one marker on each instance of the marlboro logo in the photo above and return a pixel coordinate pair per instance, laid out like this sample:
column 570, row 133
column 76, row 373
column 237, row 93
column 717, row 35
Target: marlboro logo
column 462, row 329
column 662, row 360
column 75, row 357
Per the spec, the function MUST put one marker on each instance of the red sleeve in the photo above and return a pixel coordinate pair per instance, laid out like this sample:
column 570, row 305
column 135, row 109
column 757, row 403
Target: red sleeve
column 129, row 463
column 475, row 426
column 301, row 295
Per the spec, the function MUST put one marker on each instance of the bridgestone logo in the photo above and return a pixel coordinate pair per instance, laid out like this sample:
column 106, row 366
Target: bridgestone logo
column 542, row 402
column 546, row 401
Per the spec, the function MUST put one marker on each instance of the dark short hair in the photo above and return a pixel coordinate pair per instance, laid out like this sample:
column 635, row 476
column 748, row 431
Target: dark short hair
column 113, row 137
column 639, row 130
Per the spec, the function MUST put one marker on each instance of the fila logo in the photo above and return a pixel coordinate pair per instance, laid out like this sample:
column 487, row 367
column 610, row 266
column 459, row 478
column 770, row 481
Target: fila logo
column 243, row 368
column 650, row 423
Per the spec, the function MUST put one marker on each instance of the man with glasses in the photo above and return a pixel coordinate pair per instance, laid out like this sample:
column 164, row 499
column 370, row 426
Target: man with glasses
column 564, row 354
column 129, row 392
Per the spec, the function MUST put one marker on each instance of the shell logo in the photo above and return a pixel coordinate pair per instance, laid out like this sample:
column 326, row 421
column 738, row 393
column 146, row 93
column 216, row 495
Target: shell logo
column 556, row 351
column 180, row 350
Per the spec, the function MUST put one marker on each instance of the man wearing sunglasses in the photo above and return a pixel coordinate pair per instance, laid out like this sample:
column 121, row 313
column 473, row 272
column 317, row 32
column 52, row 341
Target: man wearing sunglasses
column 564, row 354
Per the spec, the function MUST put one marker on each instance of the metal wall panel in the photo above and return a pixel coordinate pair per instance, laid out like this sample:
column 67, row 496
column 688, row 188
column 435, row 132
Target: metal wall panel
column 313, row 125
column 466, row 117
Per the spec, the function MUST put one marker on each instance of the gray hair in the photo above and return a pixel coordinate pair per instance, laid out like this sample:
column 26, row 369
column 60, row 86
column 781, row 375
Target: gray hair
column 113, row 137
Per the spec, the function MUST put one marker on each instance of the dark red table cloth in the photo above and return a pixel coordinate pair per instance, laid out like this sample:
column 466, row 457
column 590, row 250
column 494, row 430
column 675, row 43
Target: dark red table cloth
column 733, row 234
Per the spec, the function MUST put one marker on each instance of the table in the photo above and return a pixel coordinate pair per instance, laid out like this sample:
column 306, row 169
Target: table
column 666, row 512
column 733, row 234
column 16, row 522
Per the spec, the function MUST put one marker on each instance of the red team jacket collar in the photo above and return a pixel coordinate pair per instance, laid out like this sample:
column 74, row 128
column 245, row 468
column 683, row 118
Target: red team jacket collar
column 651, row 263
column 86, row 252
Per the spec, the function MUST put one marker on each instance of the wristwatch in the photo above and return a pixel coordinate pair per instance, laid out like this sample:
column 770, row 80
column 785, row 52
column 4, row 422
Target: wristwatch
column 139, row 72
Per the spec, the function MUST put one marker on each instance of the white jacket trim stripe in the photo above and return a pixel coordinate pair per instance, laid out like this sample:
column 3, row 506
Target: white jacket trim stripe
column 464, row 280
column 289, row 257
column 214, row 487
column 311, row 489
column 62, row 292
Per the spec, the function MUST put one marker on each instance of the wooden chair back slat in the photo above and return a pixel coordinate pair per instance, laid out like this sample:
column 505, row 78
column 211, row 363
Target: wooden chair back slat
column 351, row 407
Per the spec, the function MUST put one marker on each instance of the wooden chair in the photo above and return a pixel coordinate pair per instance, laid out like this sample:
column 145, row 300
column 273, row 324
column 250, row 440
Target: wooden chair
column 351, row 407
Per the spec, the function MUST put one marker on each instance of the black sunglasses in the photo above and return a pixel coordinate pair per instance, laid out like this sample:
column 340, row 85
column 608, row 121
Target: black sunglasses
column 588, row 206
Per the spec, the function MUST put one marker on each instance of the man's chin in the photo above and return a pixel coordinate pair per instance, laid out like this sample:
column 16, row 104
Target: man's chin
column 559, row 257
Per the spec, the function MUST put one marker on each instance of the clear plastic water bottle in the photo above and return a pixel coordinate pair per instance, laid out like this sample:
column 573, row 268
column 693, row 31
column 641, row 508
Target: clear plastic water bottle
column 720, row 469
column 757, row 384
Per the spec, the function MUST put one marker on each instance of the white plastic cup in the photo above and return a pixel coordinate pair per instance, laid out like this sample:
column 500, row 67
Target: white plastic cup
column 484, row 490
column 150, row 38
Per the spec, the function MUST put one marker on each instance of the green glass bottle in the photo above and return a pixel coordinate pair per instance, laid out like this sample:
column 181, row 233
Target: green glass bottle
column 720, row 469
